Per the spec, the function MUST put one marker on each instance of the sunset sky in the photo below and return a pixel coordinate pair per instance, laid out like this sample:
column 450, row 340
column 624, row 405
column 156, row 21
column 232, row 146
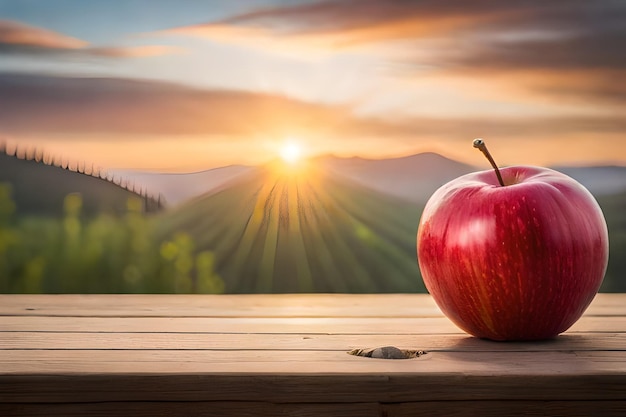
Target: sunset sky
column 183, row 85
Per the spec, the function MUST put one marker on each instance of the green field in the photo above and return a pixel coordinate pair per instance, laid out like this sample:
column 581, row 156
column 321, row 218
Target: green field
column 304, row 232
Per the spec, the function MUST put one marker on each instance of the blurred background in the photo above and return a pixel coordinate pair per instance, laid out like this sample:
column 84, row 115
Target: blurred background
column 265, row 146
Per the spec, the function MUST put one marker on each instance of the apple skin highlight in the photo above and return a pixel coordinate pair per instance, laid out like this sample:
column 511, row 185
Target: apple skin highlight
column 516, row 262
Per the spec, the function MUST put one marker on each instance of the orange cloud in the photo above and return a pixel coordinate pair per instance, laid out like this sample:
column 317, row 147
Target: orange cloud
column 16, row 37
column 20, row 35
column 336, row 25
column 74, row 107
column 344, row 23
column 547, row 48
column 595, row 90
column 134, row 51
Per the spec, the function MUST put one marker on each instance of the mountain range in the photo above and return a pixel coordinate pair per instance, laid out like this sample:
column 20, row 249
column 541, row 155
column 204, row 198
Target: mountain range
column 413, row 177
column 178, row 188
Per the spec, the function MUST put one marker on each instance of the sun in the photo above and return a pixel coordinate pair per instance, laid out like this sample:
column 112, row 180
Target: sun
column 291, row 153
column 293, row 159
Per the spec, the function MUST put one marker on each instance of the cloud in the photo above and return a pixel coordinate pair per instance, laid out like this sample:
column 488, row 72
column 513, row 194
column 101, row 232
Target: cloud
column 90, row 105
column 18, row 35
column 332, row 25
column 564, row 52
column 37, row 104
column 343, row 23
column 133, row 51
column 544, row 47
column 19, row 38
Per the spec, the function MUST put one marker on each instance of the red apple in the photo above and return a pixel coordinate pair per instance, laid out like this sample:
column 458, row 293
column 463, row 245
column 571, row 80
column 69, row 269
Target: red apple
column 519, row 261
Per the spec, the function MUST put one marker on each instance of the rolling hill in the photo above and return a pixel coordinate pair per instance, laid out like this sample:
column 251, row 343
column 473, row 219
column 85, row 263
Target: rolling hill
column 275, row 231
column 40, row 189
column 177, row 188
column 414, row 177
column 417, row 177
column 600, row 180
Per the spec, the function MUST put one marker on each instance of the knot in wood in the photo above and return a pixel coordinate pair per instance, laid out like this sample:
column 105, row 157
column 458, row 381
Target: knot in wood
column 387, row 352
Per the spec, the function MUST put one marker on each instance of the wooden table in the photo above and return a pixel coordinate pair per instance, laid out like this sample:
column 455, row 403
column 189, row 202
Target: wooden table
column 286, row 355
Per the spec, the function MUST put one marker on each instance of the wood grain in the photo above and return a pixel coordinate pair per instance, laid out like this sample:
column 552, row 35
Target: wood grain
column 255, row 382
column 264, row 409
column 196, row 409
column 509, row 408
column 303, row 342
column 253, row 362
column 286, row 355
column 229, row 325
column 267, row 305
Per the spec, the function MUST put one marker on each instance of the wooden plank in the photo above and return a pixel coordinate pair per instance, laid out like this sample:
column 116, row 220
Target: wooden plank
column 508, row 408
column 262, row 409
column 230, row 325
column 266, row 305
column 196, row 409
column 112, row 362
column 286, row 355
column 304, row 342
column 299, row 377
column 356, row 325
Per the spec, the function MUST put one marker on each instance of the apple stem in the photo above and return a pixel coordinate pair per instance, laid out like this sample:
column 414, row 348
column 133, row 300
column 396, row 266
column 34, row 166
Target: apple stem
column 480, row 145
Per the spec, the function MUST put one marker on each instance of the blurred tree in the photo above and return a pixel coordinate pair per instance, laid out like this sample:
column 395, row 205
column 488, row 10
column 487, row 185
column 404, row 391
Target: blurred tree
column 97, row 254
